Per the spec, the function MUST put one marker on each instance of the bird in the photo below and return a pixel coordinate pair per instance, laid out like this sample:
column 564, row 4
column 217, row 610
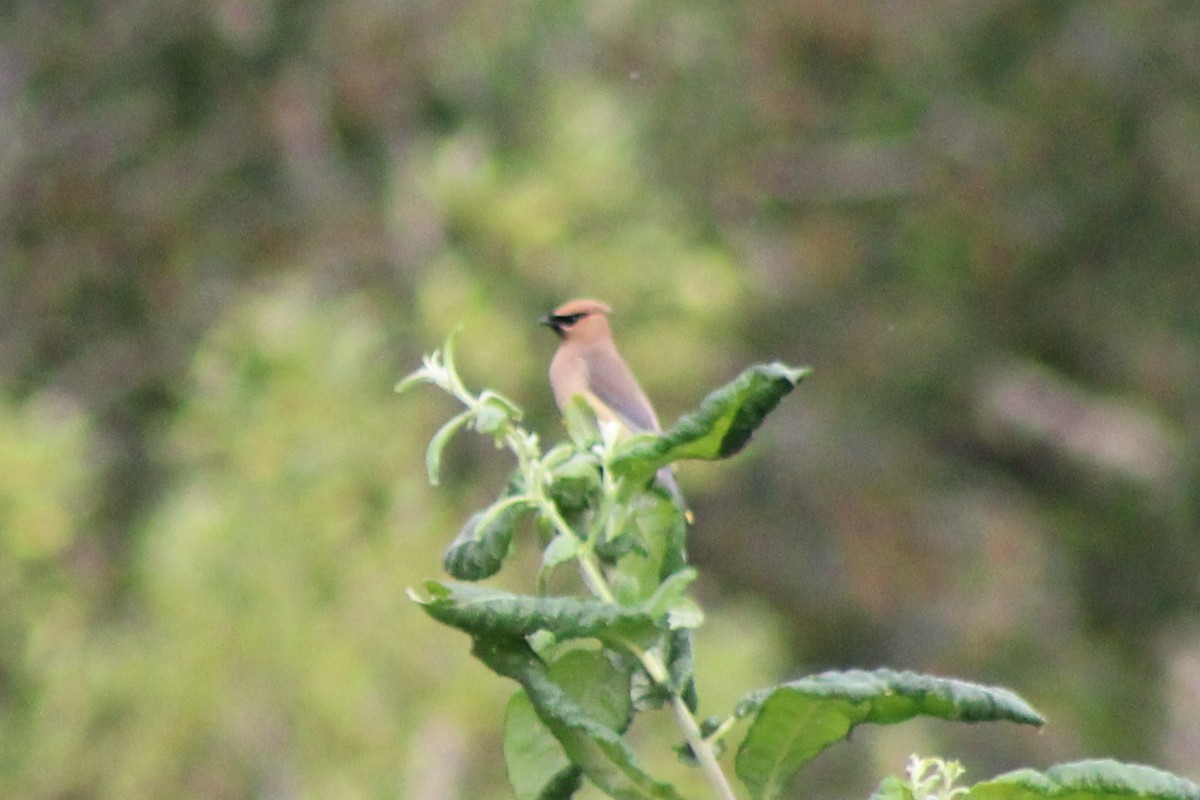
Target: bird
column 587, row 364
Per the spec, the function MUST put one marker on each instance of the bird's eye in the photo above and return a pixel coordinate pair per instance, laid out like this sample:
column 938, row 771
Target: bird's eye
column 567, row 320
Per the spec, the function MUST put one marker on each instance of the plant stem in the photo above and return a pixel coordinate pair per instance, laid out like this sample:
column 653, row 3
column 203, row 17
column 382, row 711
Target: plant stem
column 657, row 670
column 525, row 448
column 594, row 578
column 687, row 724
column 701, row 749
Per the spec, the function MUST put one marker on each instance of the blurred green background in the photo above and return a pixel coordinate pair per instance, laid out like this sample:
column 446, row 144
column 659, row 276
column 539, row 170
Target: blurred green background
column 227, row 227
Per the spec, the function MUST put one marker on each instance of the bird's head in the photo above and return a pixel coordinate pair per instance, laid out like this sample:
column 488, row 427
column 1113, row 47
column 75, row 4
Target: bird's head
column 578, row 319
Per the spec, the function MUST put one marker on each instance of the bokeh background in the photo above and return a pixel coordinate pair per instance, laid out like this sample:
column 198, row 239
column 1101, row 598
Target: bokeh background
column 227, row 227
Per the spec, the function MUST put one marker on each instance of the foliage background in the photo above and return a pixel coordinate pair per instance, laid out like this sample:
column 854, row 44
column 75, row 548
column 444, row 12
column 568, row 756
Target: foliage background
column 228, row 226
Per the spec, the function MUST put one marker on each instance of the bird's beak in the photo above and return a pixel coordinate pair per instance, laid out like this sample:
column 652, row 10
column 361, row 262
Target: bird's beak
column 550, row 322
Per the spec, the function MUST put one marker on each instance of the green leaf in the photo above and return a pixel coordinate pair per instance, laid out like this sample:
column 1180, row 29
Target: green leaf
column 657, row 528
column 681, row 666
column 449, row 368
column 537, row 766
column 599, row 681
column 562, row 548
column 795, row 721
column 575, row 483
column 893, row 788
column 481, row 611
column 1085, row 780
column 436, row 368
column 580, row 422
column 417, row 376
column 672, row 591
column 686, row 614
column 930, row 778
column 433, row 455
column 538, row 769
column 481, row 546
column 612, row 548
column 596, row 748
column 495, row 413
column 721, row 427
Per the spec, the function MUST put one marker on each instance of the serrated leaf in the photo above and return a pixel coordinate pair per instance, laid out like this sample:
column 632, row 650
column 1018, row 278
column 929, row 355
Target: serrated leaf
column 893, row 696
column 481, row 546
column 433, row 454
column 482, row 611
column 1087, row 780
column 719, row 428
column 599, row 750
column 795, row 721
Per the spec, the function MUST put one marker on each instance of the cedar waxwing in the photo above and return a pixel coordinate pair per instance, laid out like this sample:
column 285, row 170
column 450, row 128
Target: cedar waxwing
column 587, row 363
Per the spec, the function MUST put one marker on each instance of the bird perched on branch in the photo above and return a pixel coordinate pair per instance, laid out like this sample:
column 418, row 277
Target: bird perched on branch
column 587, row 364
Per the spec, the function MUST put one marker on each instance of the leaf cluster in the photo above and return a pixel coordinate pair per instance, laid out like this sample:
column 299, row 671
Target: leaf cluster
column 587, row 665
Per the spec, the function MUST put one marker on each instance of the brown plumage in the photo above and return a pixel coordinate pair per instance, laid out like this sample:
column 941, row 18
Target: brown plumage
column 587, row 363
